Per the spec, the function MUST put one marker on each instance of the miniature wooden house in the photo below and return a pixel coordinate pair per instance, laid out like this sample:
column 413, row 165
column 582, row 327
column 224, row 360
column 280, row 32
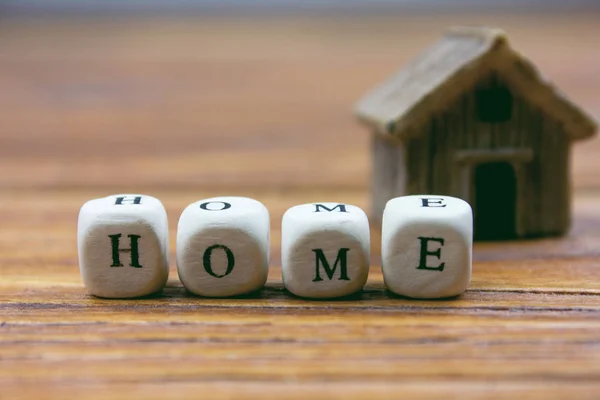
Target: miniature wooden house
column 472, row 118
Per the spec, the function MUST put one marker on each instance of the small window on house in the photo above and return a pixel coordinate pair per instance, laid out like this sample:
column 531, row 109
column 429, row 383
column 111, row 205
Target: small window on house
column 494, row 104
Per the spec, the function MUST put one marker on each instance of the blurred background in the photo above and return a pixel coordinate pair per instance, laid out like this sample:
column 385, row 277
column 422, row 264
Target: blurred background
column 191, row 99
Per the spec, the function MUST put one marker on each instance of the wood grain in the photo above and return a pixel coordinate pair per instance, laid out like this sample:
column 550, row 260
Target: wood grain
column 187, row 108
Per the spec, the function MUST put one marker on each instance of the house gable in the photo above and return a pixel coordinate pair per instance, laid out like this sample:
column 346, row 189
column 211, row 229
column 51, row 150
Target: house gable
column 428, row 85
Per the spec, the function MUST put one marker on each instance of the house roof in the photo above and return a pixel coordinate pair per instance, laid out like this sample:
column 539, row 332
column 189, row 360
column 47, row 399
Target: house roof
column 449, row 68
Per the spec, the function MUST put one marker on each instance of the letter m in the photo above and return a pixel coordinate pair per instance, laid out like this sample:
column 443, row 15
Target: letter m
column 318, row 208
column 341, row 259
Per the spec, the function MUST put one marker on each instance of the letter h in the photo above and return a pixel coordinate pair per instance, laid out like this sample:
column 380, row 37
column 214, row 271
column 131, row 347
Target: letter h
column 134, row 250
column 124, row 199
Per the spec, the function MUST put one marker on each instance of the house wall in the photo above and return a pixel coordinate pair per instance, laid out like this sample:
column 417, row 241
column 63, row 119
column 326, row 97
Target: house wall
column 431, row 166
column 388, row 178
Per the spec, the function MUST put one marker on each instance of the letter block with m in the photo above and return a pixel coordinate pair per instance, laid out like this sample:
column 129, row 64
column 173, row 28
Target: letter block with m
column 325, row 250
column 123, row 246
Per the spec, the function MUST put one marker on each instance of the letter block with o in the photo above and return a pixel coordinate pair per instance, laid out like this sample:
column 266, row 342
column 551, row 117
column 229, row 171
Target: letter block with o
column 223, row 246
column 426, row 246
column 325, row 250
column 123, row 246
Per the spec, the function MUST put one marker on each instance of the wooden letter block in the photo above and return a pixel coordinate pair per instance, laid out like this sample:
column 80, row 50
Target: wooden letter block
column 426, row 246
column 325, row 250
column 123, row 245
column 223, row 246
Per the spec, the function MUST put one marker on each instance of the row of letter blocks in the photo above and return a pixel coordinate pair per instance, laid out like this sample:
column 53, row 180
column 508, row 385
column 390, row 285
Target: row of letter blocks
column 223, row 247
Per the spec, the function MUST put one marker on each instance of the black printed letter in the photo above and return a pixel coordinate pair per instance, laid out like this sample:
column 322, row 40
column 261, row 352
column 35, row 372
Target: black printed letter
column 425, row 252
column 225, row 206
column 430, row 202
column 123, row 199
column 206, row 260
column 135, row 255
column 341, row 258
column 342, row 208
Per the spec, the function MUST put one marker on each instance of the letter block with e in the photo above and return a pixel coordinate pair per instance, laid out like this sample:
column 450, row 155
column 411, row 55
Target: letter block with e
column 426, row 246
column 325, row 250
column 123, row 246
column 223, row 246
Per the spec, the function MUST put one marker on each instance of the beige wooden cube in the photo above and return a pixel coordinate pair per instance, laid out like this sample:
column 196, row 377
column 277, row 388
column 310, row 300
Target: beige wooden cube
column 325, row 250
column 223, row 246
column 426, row 247
column 123, row 245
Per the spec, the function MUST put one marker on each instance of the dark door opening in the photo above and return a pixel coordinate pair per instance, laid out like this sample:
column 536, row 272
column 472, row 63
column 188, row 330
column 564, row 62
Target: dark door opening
column 495, row 201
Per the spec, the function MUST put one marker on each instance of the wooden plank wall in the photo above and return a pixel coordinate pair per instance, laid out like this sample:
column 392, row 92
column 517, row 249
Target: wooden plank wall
column 432, row 166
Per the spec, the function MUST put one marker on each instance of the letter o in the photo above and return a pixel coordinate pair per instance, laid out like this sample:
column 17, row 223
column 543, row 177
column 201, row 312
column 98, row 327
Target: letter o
column 206, row 260
column 204, row 206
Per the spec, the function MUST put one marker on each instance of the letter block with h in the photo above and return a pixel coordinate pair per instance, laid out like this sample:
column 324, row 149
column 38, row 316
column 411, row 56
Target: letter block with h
column 426, row 246
column 123, row 246
column 325, row 250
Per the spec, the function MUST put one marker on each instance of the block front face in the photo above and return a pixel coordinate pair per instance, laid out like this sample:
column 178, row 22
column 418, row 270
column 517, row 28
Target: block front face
column 123, row 246
column 223, row 246
column 427, row 246
column 325, row 250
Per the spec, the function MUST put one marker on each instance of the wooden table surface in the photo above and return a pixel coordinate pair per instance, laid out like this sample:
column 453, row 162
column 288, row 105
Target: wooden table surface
column 185, row 108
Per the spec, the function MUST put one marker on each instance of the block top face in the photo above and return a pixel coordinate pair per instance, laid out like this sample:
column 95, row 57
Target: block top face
column 122, row 204
column 325, row 214
column 429, row 204
column 246, row 213
column 122, row 208
column 427, row 209
column 225, row 207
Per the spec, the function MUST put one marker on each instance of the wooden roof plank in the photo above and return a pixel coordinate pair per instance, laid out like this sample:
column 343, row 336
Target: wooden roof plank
column 449, row 68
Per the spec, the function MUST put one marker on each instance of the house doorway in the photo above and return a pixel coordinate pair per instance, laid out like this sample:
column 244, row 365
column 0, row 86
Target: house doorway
column 495, row 201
